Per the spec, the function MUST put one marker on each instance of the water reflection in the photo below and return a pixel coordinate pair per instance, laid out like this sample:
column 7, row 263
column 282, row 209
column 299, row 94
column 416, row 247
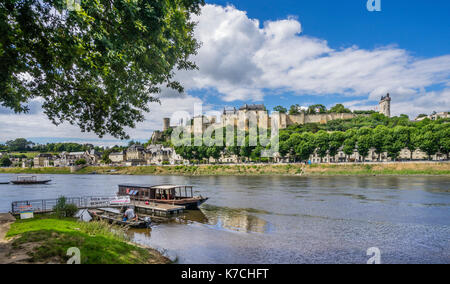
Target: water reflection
column 285, row 219
column 238, row 220
column 219, row 218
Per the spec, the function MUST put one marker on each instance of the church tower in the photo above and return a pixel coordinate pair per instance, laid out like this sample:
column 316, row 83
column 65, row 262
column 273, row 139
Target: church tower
column 385, row 105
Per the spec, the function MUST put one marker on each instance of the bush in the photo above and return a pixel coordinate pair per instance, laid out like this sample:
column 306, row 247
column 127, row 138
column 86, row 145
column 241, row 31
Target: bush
column 5, row 162
column 81, row 162
column 62, row 209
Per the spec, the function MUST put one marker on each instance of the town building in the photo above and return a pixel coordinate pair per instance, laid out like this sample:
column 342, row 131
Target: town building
column 118, row 157
column 68, row 159
column 434, row 116
column 43, row 160
column 135, row 153
column 159, row 155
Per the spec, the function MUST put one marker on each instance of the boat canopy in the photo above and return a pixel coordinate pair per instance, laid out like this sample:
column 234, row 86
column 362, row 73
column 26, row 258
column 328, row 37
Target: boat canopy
column 167, row 191
column 163, row 187
column 26, row 178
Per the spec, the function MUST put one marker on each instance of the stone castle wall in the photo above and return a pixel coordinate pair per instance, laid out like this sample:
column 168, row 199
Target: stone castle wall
column 287, row 120
column 262, row 119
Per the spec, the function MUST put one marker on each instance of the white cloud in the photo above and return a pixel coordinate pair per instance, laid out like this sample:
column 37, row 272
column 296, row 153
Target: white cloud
column 37, row 124
column 241, row 59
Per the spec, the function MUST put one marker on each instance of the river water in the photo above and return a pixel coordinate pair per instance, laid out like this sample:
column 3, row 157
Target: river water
column 284, row 219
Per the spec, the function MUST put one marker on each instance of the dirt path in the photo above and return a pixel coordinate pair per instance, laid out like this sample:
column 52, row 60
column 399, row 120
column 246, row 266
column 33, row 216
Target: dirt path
column 5, row 220
column 7, row 255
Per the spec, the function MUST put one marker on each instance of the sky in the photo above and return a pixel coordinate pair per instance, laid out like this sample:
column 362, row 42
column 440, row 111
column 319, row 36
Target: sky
column 289, row 52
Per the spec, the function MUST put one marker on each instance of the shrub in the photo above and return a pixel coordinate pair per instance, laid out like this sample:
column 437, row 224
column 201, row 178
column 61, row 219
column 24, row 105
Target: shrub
column 80, row 162
column 62, row 209
column 5, row 162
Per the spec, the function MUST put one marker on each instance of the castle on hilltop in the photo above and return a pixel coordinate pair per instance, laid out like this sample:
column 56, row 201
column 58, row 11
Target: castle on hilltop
column 257, row 114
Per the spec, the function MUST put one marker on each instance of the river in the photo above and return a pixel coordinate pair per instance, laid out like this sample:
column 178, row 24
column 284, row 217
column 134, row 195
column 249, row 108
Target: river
column 268, row 219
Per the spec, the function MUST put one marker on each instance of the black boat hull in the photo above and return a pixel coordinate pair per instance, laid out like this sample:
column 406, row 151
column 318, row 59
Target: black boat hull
column 31, row 182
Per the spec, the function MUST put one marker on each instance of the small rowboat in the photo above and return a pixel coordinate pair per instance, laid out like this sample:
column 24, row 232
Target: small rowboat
column 116, row 218
column 29, row 180
column 1, row 182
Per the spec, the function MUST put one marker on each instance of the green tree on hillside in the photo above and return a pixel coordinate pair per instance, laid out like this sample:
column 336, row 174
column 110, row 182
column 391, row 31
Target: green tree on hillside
column 395, row 142
column 322, row 143
column 379, row 139
column 339, row 108
column 409, row 137
column 19, row 144
column 350, row 141
column 428, row 142
column 317, row 108
column 305, row 147
column 81, row 162
column 336, row 142
column 444, row 139
column 365, row 141
column 294, row 110
column 5, row 162
column 280, row 109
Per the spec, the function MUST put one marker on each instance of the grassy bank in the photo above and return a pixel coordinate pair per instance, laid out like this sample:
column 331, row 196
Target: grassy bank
column 47, row 239
column 34, row 170
column 260, row 169
column 381, row 169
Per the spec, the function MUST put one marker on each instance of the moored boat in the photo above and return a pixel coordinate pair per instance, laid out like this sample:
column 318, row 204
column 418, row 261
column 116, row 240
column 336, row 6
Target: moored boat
column 182, row 195
column 29, row 180
column 116, row 218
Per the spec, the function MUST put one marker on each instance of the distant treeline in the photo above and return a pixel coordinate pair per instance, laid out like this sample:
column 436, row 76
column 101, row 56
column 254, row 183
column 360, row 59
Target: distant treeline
column 23, row 145
column 319, row 109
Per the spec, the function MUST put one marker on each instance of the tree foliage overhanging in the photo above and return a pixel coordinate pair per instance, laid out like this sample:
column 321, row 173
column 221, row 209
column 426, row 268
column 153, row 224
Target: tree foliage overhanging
column 98, row 67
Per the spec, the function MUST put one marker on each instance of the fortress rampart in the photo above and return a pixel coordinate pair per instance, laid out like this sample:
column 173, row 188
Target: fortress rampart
column 258, row 115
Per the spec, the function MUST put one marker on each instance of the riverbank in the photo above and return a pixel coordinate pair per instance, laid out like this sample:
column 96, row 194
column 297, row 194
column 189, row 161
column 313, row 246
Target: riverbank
column 419, row 168
column 46, row 239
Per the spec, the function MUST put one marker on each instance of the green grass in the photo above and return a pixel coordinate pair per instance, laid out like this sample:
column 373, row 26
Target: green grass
column 99, row 243
column 267, row 169
column 27, row 154
column 47, row 171
column 381, row 169
column 42, row 223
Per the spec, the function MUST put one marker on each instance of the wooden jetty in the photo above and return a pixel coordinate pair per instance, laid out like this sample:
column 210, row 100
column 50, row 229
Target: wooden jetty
column 43, row 206
column 159, row 209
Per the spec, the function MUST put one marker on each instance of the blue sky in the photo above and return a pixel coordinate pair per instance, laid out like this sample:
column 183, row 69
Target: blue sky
column 422, row 27
column 289, row 52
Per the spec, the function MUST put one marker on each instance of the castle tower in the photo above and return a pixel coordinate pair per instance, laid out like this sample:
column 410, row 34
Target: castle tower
column 385, row 105
column 166, row 123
